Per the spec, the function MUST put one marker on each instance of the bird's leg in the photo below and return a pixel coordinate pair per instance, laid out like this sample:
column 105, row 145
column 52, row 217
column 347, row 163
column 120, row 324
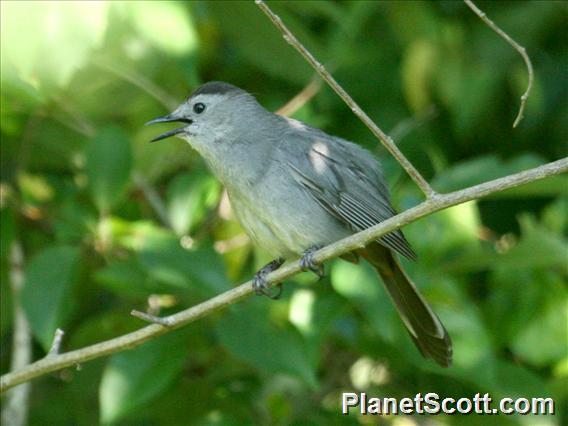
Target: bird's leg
column 308, row 264
column 259, row 283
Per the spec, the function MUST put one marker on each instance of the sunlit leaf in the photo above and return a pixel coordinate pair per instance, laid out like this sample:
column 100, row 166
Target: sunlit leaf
column 189, row 198
column 35, row 188
column 537, row 248
column 44, row 43
column 418, row 67
column 362, row 286
column 171, row 24
column 543, row 339
column 138, row 235
column 481, row 169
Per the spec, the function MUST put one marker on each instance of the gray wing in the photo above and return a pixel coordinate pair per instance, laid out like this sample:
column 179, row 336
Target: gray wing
column 346, row 181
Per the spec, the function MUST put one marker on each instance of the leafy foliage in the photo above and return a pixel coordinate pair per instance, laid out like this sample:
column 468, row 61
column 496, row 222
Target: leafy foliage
column 80, row 183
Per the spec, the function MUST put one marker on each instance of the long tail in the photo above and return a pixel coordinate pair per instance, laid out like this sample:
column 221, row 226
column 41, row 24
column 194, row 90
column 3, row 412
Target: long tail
column 424, row 326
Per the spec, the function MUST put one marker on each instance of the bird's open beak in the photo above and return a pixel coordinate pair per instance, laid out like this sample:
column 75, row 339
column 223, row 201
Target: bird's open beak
column 170, row 118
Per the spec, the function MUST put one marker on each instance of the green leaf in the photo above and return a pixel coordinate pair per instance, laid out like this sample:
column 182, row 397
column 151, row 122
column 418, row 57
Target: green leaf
column 129, row 278
column 511, row 379
column 133, row 378
column 482, row 169
column 8, row 226
column 200, row 269
column 6, row 303
column 505, row 284
column 543, row 339
column 450, row 232
column 259, row 42
column 46, row 294
column 189, row 198
column 59, row 148
column 550, row 187
column 173, row 30
column 537, row 248
column 418, row 68
column 97, row 328
column 34, row 188
column 247, row 333
column 46, row 43
column 361, row 285
column 109, row 160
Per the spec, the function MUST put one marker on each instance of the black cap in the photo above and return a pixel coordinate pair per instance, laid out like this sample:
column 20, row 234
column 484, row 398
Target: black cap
column 216, row 88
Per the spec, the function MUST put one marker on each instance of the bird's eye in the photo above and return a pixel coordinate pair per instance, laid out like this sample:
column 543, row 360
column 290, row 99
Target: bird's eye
column 199, row 107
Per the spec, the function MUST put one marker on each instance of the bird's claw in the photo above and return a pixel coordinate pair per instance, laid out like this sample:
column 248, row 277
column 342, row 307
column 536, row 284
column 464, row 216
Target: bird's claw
column 259, row 284
column 308, row 263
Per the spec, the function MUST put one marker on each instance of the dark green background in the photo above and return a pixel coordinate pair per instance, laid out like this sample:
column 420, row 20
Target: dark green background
column 79, row 80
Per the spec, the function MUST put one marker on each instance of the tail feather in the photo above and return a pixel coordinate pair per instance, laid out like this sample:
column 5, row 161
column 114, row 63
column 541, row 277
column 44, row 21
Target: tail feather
column 423, row 325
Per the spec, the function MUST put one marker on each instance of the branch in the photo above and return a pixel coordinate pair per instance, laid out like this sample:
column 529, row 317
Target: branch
column 300, row 99
column 56, row 343
column 522, row 51
column 130, row 340
column 320, row 69
column 153, row 198
column 140, row 81
column 433, row 203
column 408, row 125
column 15, row 411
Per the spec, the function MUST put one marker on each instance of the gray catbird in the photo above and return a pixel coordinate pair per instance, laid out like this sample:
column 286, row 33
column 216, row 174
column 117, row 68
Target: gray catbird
column 295, row 188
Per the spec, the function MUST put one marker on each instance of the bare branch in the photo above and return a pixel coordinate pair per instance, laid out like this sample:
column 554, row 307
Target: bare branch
column 320, row 69
column 431, row 205
column 153, row 319
column 15, row 411
column 139, row 81
column 300, row 99
column 522, row 51
column 408, row 125
column 153, row 198
column 56, row 344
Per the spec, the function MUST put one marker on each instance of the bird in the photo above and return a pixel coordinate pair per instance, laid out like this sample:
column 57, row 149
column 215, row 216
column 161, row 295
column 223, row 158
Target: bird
column 295, row 188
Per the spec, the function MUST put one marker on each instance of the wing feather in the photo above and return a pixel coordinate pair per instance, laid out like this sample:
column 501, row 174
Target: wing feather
column 357, row 203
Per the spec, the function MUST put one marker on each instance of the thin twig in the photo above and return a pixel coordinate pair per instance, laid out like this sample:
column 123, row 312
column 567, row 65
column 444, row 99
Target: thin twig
column 56, row 344
column 165, row 321
column 15, row 411
column 408, row 125
column 153, row 198
column 320, row 69
column 140, row 81
column 522, row 51
column 300, row 99
column 431, row 205
column 79, row 123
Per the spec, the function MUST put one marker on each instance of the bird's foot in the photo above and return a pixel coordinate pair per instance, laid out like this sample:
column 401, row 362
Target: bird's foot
column 259, row 284
column 308, row 263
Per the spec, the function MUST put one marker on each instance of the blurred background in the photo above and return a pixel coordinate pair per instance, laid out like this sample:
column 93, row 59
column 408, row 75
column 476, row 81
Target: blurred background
column 96, row 221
